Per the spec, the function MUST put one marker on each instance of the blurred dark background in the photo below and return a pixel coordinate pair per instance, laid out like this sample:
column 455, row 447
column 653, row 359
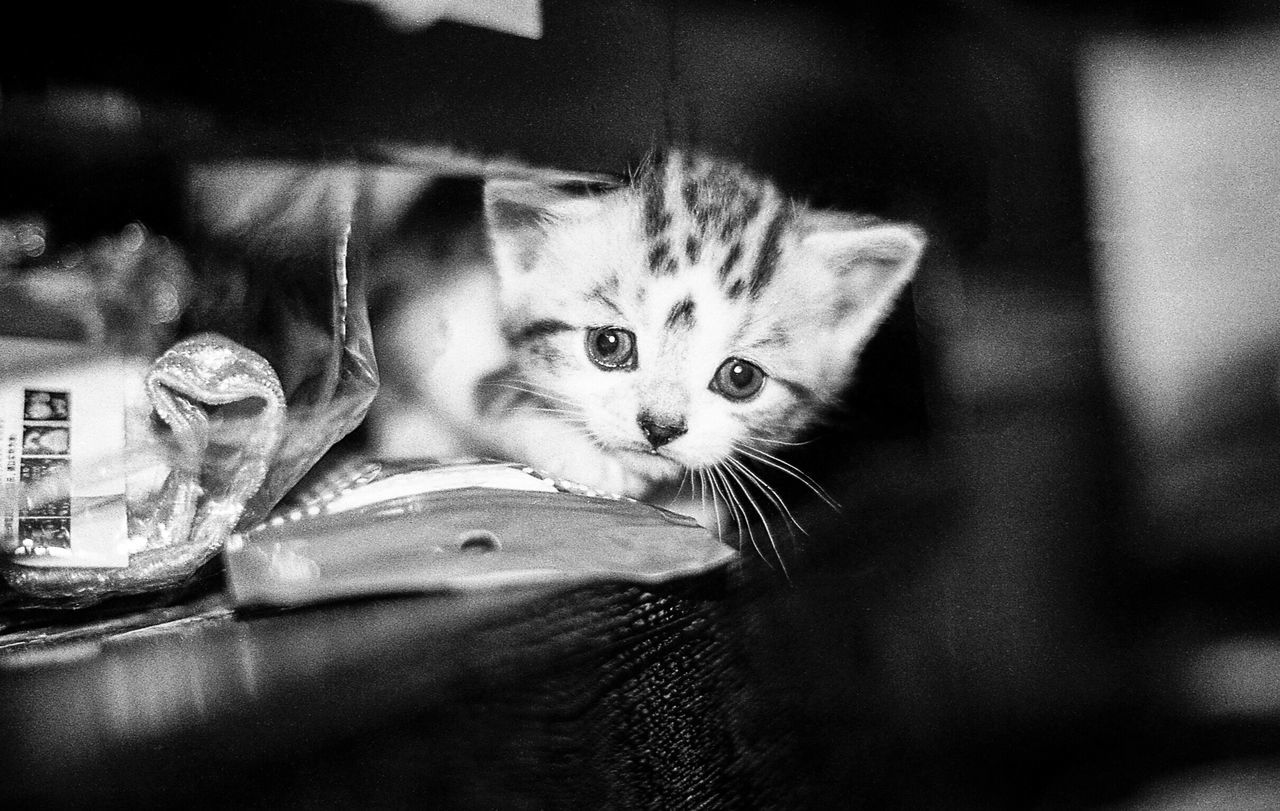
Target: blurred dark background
column 1049, row 588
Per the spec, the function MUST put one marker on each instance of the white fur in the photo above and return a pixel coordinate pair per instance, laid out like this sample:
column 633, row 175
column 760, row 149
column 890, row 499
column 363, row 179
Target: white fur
column 585, row 427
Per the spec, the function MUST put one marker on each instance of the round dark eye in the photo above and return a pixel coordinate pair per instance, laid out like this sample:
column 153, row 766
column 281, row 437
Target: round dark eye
column 738, row 379
column 611, row 348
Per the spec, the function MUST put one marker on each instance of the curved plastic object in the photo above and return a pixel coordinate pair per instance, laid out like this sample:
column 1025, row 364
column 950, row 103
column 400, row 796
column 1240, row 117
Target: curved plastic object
column 490, row 525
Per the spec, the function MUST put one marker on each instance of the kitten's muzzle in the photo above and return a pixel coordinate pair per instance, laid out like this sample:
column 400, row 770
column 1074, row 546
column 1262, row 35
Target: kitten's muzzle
column 659, row 432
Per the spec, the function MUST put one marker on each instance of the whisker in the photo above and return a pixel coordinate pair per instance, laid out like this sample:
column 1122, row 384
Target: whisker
column 702, row 494
column 573, row 414
column 767, row 490
column 552, row 409
column 544, row 397
column 533, row 389
column 717, row 483
column 563, row 413
column 716, row 476
column 736, row 511
column 789, row 444
column 715, row 506
column 766, row 458
column 763, row 521
column 684, row 477
column 717, row 486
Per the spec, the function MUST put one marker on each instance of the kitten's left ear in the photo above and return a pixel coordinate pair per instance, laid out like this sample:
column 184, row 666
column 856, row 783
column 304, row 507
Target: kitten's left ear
column 520, row 213
column 871, row 260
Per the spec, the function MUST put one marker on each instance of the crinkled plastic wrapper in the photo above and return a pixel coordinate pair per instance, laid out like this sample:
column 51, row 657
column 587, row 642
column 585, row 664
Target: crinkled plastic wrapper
column 156, row 394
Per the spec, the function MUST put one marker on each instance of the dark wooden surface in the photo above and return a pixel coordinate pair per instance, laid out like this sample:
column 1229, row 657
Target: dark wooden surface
column 607, row 696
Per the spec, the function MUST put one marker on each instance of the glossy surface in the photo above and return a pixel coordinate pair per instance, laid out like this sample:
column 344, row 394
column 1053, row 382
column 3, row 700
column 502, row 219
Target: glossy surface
column 238, row 687
column 535, row 538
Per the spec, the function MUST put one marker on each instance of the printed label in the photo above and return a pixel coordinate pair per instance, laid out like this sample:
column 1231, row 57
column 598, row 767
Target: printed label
column 62, row 494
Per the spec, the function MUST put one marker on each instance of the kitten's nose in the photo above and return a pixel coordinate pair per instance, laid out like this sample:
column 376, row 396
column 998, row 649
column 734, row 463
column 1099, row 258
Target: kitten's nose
column 661, row 431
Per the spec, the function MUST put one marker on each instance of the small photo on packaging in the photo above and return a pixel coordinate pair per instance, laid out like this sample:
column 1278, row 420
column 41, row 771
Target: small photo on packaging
column 44, row 405
column 46, row 487
column 38, row 534
column 46, row 440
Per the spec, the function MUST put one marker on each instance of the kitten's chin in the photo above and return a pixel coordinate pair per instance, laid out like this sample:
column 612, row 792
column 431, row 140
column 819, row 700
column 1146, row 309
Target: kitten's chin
column 655, row 468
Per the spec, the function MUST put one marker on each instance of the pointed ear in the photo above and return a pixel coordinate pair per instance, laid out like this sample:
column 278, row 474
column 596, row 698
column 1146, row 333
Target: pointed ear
column 519, row 215
column 871, row 262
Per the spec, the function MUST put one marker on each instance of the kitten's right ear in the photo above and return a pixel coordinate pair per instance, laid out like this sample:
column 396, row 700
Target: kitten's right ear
column 520, row 214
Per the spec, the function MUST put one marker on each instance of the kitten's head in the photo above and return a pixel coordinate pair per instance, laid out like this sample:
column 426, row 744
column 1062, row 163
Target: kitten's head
column 693, row 313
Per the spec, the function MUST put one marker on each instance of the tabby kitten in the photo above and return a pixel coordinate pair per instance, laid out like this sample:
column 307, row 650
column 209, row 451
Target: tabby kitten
column 676, row 327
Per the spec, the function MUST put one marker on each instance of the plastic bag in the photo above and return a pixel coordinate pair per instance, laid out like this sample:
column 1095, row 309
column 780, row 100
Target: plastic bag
column 210, row 376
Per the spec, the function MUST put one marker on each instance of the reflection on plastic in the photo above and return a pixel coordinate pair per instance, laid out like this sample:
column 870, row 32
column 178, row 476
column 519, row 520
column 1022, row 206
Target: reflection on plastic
column 470, row 535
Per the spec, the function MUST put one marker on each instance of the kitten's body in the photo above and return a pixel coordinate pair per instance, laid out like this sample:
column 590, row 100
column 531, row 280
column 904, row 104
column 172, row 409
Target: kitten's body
column 685, row 323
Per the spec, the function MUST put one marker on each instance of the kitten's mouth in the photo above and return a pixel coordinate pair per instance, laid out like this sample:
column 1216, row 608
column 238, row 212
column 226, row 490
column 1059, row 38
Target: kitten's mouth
column 641, row 450
column 647, row 457
column 645, row 450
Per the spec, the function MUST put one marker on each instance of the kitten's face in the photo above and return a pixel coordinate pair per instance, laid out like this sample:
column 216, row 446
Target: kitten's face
column 692, row 316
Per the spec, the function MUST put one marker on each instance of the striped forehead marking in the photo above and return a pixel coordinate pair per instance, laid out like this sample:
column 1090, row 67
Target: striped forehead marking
column 767, row 254
column 681, row 315
column 694, row 203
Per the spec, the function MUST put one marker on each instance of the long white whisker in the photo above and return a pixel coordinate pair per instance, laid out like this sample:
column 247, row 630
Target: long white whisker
column 763, row 521
column 736, row 511
column 553, row 409
column 715, row 506
column 766, row 458
column 563, row 413
column 740, row 516
column 543, row 396
column 717, row 482
column 769, row 493
column 535, row 390
column 702, row 494
column 781, row 442
column 684, row 478
column 524, row 385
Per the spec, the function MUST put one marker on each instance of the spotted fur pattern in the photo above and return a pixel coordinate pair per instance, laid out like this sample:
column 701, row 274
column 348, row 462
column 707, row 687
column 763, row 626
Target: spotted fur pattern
column 704, row 272
column 702, row 262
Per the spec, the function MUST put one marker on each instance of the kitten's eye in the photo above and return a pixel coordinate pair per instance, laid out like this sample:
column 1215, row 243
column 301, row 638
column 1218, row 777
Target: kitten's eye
column 611, row 348
column 738, row 379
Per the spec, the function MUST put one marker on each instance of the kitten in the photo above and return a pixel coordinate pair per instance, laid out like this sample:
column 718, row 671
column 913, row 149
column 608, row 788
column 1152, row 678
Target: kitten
column 679, row 326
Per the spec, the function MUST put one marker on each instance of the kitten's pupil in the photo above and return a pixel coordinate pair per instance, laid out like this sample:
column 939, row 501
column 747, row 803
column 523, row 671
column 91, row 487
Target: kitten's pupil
column 607, row 343
column 611, row 348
